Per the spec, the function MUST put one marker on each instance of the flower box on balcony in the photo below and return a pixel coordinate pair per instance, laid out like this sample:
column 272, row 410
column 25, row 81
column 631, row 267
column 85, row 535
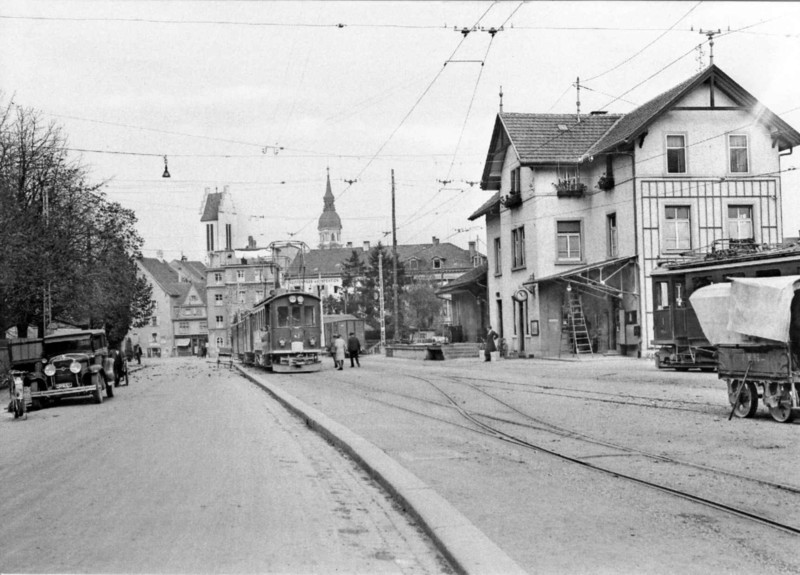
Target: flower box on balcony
column 512, row 200
column 570, row 188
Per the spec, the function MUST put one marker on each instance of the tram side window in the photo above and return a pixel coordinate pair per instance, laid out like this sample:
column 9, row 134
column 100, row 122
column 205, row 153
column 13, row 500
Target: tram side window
column 662, row 296
column 297, row 313
column 283, row 316
column 311, row 315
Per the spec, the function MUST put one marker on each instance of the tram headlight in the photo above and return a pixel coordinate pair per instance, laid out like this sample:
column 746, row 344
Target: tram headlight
column 312, row 341
column 292, row 299
column 50, row 370
column 300, row 299
column 282, row 342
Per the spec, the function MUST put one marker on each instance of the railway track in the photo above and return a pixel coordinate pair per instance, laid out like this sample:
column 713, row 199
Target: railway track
column 518, row 432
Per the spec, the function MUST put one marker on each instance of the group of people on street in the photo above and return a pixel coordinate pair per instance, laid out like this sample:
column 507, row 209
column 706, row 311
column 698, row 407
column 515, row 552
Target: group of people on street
column 352, row 347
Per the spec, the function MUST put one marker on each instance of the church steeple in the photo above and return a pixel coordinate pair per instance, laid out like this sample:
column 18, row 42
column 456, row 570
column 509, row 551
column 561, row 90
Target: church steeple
column 330, row 225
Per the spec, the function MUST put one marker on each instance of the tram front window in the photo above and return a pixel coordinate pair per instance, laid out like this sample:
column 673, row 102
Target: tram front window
column 297, row 313
column 283, row 316
column 311, row 315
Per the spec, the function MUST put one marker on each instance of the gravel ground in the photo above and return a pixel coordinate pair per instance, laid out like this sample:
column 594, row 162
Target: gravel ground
column 557, row 517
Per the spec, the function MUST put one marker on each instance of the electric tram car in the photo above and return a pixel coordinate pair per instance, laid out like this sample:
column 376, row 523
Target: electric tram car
column 282, row 333
column 677, row 332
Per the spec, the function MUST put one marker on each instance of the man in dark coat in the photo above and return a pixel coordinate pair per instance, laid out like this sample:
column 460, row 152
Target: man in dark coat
column 491, row 346
column 353, row 348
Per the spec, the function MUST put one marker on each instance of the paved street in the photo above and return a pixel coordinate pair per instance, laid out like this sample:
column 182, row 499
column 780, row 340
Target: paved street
column 191, row 469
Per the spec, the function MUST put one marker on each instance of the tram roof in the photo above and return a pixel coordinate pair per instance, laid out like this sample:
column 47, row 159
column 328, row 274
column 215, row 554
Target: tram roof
column 711, row 262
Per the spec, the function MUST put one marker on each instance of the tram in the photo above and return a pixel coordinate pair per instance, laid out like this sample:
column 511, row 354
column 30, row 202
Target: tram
column 282, row 333
column 680, row 340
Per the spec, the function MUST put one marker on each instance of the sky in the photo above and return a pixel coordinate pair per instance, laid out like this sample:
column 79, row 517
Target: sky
column 269, row 97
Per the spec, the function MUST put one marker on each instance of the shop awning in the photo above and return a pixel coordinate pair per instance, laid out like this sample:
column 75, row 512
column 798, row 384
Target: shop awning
column 583, row 276
column 183, row 342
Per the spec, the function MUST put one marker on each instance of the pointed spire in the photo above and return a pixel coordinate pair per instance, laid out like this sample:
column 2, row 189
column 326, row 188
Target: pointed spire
column 328, row 198
column 501, row 99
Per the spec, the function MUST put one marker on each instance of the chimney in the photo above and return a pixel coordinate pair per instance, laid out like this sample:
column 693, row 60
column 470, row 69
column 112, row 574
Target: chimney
column 471, row 249
column 251, row 242
column 160, row 254
column 435, row 240
column 349, row 244
column 366, row 246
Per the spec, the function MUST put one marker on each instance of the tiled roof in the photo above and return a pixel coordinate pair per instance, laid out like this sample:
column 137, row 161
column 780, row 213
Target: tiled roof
column 162, row 274
column 492, row 204
column 554, row 138
column 330, row 262
column 211, row 209
column 632, row 123
column 325, row 262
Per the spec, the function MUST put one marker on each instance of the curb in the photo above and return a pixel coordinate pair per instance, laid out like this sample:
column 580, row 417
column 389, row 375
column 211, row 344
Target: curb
column 467, row 548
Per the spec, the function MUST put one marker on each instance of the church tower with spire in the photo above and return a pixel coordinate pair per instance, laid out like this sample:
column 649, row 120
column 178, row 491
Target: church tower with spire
column 330, row 225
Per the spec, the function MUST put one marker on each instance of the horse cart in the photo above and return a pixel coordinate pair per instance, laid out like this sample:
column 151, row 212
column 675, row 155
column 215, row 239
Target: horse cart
column 754, row 324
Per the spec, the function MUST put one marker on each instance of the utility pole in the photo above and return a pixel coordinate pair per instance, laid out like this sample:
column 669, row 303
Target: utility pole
column 710, row 35
column 395, row 295
column 380, row 291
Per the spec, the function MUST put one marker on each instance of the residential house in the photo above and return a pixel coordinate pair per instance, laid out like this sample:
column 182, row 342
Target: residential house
column 585, row 206
column 159, row 338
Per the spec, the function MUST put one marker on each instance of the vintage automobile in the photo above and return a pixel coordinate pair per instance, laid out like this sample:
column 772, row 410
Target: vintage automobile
column 76, row 363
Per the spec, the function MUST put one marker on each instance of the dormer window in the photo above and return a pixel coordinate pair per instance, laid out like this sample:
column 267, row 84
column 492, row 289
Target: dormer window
column 436, row 263
column 413, row 264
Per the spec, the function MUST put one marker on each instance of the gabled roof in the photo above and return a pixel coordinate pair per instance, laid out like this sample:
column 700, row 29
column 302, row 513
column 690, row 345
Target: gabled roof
column 549, row 139
column 542, row 139
column 322, row 262
column 491, row 205
column 211, row 208
column 163, row 275
column 633, row 124
column 330, row 262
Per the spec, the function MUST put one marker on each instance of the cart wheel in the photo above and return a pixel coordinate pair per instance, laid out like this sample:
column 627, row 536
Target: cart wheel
column 782, row 413
column 748, row 399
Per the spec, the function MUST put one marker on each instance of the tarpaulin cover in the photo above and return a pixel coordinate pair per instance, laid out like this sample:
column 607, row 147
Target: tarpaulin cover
column 183, row 342
column 761, row 307
column 710, row 304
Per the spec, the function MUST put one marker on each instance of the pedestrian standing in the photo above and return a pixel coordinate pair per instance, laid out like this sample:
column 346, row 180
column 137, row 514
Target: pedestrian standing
column 353, row 348
column 138, row 352
column 491, row 346
column 338, row 349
